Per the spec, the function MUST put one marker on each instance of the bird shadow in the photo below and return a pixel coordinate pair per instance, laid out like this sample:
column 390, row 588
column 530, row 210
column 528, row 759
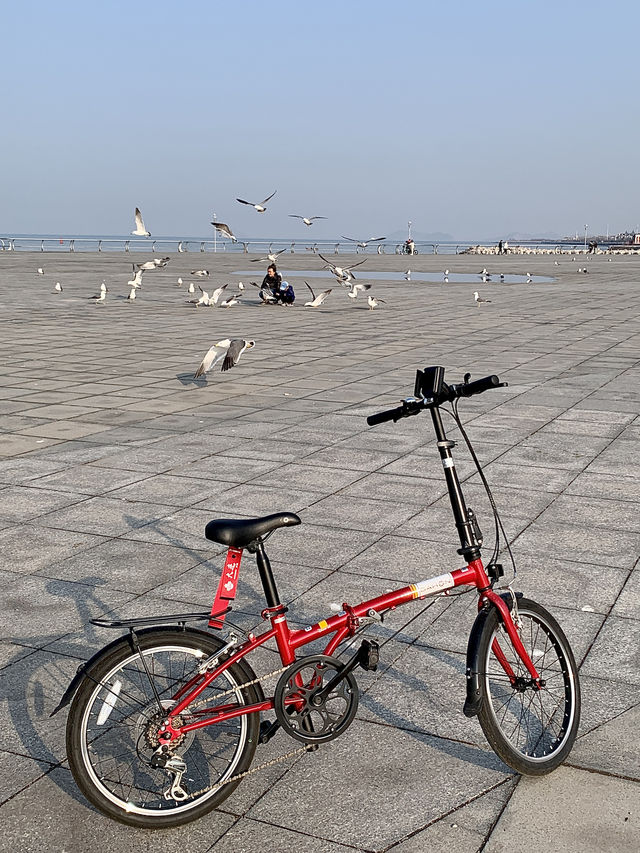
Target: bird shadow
column 187, row 379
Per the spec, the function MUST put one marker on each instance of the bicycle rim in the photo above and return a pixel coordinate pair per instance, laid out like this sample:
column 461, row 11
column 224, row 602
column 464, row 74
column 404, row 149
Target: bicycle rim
column 531, row 729
column 117, row 733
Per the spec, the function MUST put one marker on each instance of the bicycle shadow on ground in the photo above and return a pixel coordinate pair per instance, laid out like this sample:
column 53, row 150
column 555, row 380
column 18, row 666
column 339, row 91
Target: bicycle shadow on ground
column 34, row 680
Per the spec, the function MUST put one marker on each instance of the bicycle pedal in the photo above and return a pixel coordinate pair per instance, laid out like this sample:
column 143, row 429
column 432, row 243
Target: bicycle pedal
column 267, row 730
column 369, row 655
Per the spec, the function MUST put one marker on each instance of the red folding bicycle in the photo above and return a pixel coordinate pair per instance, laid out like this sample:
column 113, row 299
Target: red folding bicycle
column 165, row 721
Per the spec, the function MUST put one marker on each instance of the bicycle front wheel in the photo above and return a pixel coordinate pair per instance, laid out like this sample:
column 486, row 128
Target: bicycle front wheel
column 114, row 719
column 532, row 729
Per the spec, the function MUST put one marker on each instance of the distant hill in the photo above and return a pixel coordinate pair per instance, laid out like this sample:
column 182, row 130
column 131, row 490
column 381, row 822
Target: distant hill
column 422, row 236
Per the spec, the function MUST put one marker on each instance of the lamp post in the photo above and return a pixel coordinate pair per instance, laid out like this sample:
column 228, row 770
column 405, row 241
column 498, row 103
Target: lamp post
column 585, row 236
column 215, row 233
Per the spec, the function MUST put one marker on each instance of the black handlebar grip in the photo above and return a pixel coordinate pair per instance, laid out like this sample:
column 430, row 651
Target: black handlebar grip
column 479, row 386
column 382, row 417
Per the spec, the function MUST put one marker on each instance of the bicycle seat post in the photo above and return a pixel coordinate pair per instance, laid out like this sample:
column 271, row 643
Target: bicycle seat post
column 266, row 574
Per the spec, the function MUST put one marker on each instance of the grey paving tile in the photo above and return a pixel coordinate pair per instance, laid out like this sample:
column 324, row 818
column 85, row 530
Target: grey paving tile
column 29, row 547
column 616, row 652
column 85, row 829
column 611, row 747
column 383, row 798
column 580, row 544
column 105, row 516
column 567, row 797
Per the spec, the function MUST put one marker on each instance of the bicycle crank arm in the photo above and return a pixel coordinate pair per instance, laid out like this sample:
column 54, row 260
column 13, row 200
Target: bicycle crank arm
column 367, row 657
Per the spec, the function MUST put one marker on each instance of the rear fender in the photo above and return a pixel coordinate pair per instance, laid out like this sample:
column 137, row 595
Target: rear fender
column 85, row 668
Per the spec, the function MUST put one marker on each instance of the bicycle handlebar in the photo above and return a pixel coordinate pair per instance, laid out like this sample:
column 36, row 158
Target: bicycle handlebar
column 413, row 406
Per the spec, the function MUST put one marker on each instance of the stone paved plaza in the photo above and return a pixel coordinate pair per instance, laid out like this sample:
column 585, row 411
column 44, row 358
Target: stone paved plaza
column 112, row 460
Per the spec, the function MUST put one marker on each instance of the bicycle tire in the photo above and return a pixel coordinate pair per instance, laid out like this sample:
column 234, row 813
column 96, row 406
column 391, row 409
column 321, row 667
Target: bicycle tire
column 111, row 722
column 531, row 730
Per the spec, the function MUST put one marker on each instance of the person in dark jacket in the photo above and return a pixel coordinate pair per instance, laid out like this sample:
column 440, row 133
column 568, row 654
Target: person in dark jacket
column 271, row 284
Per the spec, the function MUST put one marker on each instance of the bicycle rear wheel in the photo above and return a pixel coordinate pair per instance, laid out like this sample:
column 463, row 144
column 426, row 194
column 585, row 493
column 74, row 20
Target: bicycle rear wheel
column 531, row 729
column 114, row 719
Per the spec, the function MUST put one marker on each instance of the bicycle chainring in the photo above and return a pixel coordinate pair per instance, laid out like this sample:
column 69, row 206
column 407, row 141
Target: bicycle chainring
column 301, row 708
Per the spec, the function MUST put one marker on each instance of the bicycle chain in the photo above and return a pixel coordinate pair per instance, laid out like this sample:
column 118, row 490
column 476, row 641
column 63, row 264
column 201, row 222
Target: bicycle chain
column 239, row 776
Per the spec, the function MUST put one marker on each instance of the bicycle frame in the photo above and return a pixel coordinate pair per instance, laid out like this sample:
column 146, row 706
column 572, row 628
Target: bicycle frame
column 340, row 626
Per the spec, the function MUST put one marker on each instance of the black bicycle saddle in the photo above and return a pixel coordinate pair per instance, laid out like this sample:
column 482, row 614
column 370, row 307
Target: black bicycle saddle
column 239, row 532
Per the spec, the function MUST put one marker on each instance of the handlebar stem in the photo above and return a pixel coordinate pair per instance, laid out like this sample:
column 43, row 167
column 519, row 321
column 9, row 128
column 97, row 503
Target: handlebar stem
column 469, row 545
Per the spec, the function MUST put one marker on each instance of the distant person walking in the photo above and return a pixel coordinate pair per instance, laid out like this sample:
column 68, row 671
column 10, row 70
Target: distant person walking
column 500, row 248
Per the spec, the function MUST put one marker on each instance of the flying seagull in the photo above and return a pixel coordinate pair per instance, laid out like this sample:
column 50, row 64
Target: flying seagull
column 213, row 300
column 341, row 273
column 373, row 302
column 479, row 298
column 272, row 256
column 260, row 207
column 224, row 229
column 156, row 263
column 362, row 243
column 232, row 300
column 58, row 287
column 357, row 287
column 136, row 281
column 140, row 231
column 203, row 300
column 227, row 351
column 308, row 220
column 316, row 301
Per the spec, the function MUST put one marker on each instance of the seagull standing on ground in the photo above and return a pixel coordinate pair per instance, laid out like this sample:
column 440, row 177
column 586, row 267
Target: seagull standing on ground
column 316, row 301
column 203, row 300
column 227, row 351
column 191, row 288
column 103, row 293
column 140, row 230
column 373, row 302
column 40, row 271
column 200, row 273
column 58, row 287
column 479, row 299
column 260, row 207
column 308, row 220
column 132, row 294
column 232, row 300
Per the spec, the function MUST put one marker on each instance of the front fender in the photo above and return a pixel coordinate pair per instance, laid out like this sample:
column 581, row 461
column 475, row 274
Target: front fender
column 473, row 702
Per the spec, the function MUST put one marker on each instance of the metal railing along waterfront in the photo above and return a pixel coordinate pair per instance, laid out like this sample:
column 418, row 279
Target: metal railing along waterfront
column 33, row 243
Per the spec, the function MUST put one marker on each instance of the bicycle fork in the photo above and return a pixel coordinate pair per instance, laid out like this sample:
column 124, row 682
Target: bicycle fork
column 490, row 599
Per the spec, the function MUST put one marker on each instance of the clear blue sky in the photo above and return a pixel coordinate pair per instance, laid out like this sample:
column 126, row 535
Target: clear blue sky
column 473, row 118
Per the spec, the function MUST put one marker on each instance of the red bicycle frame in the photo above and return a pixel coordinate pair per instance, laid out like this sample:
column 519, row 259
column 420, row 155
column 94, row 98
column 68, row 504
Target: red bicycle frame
column 342, row 625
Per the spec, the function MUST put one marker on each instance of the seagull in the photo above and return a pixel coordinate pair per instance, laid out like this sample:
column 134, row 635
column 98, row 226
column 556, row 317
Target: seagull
column 373, row 302
column 140, row 231
column 179, row 282
column 357, row 287
column 216, row 294
column 240, row 286
column 341, row 272
column 58, row 287
column 180, row 249
column 308, row 220
column 156, row 263
column 224, row 229
column 484, row 271
column 232, row 300
column 363, row 243
column 132, row 294
column 191, row 288
column 265, row 295
column 446, row 273
column 203, row 300
column 200, row 273
column 260, row 207
column 272, row 256
column 227, row 351
column 479, row 298
column 501, row 276
column 40, row 271
column 136, row 281
column 407, row 275
column 316, row 301
column 103, row 293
